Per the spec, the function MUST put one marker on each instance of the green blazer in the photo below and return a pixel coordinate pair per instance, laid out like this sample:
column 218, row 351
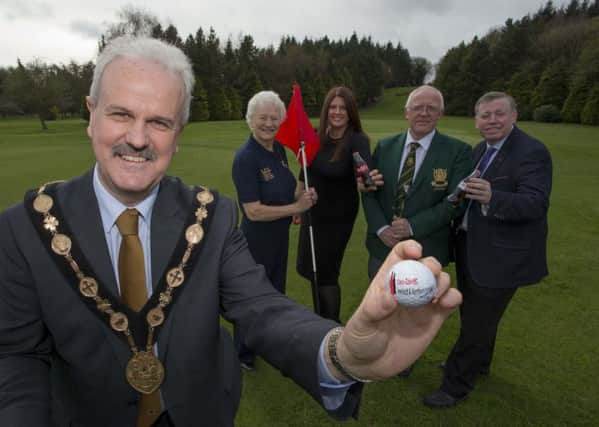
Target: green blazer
column 447, row 161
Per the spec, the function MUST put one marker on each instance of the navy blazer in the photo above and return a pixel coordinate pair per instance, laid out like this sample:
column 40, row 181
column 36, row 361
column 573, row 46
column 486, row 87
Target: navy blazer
column 59, row 360
column 507, row 247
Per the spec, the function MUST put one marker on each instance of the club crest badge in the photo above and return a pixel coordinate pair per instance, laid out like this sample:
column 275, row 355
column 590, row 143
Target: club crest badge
column 439, row 179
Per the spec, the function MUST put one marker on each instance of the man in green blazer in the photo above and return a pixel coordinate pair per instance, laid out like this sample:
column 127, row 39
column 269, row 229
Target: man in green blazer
column 420, row 168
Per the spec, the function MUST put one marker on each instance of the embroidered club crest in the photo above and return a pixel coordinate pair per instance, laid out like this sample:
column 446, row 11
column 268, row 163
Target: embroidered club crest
column 439, row 179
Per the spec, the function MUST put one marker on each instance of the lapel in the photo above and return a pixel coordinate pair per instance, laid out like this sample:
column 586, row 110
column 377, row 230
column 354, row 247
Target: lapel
column 502, row 154
column 392, row 164
column 427, row 164
column 395, row 157
column 168, row 219
column 81, row 211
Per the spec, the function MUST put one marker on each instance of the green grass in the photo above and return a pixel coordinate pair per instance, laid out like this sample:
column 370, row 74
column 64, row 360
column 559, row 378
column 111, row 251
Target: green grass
column 546, row 360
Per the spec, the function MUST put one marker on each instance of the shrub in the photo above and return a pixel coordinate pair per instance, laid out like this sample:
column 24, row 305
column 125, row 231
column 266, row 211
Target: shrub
column 590, row 111
column 546, row 114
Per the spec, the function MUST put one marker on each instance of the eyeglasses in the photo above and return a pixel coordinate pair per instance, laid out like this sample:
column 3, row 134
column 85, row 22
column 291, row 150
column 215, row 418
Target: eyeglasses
column 419, row 108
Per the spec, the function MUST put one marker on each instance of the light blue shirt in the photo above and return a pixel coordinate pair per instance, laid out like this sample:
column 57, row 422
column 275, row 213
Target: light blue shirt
column 110, row 210
column 332, row 391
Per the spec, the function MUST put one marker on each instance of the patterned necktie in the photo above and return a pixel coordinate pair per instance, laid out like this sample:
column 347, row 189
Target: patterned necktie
column 484, row 162
column 132, row 279
column 405, row 180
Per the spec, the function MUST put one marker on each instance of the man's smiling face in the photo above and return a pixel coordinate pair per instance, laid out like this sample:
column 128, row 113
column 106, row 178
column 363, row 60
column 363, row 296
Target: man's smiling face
column 134, row 126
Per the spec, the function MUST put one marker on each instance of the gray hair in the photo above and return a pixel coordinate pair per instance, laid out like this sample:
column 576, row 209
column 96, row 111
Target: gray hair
column 494, row 95
column 261, row 99
column 420, row 89
column 148, row 49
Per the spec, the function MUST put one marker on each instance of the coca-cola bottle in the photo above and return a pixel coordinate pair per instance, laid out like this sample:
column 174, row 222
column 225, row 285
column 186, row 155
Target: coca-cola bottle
column 459, row 192
column 362, row 169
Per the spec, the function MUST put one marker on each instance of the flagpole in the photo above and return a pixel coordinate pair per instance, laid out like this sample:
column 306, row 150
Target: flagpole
column 314, row 282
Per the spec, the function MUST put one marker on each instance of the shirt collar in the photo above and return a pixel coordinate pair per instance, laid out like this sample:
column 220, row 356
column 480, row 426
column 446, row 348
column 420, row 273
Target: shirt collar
column 111, row 208
column 425, row 141
column 499, row 144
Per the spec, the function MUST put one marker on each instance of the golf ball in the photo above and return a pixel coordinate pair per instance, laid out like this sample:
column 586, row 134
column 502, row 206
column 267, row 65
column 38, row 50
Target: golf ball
column 411, row 283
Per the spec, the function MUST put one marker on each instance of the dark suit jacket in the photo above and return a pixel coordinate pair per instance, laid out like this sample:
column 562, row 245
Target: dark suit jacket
column 507, row 247
column 426, row 208
column 51, row 344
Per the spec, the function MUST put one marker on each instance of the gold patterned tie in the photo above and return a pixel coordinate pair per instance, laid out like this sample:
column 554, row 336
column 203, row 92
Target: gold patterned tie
column 405, row 180
column 132, row 280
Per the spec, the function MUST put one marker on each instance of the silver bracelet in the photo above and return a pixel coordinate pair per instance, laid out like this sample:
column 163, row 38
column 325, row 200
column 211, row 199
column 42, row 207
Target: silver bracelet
column 332, row 347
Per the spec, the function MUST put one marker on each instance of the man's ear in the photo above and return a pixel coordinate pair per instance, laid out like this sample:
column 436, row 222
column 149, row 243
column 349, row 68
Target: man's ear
column 90, row 108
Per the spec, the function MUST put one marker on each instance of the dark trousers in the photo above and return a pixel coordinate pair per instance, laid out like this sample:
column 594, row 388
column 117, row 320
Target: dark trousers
column 374, row 265
column 269, row 244
column 480, row 313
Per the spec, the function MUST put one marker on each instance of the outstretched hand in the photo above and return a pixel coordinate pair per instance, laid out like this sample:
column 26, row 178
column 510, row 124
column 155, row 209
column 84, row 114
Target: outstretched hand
column 382, row 337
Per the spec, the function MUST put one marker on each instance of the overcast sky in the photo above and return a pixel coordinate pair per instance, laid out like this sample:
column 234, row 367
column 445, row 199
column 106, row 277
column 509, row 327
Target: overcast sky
column 57, row 31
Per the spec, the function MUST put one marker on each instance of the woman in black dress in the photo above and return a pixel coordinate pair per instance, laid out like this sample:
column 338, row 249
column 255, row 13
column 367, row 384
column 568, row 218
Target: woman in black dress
column 332, row 175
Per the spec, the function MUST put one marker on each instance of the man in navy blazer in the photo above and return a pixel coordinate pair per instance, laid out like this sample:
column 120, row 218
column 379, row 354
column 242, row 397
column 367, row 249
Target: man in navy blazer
column 73, row 351
column 500, row 241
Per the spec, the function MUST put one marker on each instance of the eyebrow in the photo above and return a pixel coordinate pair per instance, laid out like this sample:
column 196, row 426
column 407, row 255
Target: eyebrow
column 114, row 108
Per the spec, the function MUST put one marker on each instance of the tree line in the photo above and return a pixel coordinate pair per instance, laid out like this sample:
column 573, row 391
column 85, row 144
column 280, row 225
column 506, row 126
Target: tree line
column 548, row 61
column 227, row 73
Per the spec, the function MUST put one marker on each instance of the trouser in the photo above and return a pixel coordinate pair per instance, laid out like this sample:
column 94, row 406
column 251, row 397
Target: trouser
column 374, row 265
column 329, row 299
column 480, row 314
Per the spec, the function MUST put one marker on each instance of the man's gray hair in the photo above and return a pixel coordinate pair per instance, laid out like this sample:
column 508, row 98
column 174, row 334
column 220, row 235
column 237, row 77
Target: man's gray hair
column 148, row 49
column 262, row 99
column 420, row 89
column 494, row 95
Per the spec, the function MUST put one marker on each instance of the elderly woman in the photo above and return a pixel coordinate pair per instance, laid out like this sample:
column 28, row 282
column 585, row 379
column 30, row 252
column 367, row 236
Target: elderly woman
column 268, row 195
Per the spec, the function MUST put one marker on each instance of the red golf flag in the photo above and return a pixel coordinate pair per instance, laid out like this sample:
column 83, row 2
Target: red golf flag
column 297, row 128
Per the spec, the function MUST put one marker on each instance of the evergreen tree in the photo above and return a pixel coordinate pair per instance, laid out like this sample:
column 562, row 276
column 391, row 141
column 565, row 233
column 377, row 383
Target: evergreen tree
column 521, row 87
column 552, row 88
column 586, row 74
column 235, row 101
column 199, row 104
column 590, row 111
column 219, row 104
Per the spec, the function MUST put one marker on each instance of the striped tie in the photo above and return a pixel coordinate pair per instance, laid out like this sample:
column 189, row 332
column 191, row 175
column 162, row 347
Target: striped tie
column 405, row 180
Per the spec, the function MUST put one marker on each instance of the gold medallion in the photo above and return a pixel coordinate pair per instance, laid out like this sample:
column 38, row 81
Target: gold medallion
column 61, row 244
column 155, row 317
column 43, row 203
column 194, row 233
column 88, row 287
column 175, row 277
column 144, row 372
column 119, row 321
column 205, row 197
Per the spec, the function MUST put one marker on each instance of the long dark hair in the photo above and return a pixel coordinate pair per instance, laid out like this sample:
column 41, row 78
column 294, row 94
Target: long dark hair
column 354, row 124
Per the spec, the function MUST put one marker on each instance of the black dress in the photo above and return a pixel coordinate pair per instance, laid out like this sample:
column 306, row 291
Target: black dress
column 334, row 215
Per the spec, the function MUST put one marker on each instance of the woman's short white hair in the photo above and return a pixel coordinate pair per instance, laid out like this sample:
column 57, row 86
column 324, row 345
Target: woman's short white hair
column 262, row 99
column 149, row 49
